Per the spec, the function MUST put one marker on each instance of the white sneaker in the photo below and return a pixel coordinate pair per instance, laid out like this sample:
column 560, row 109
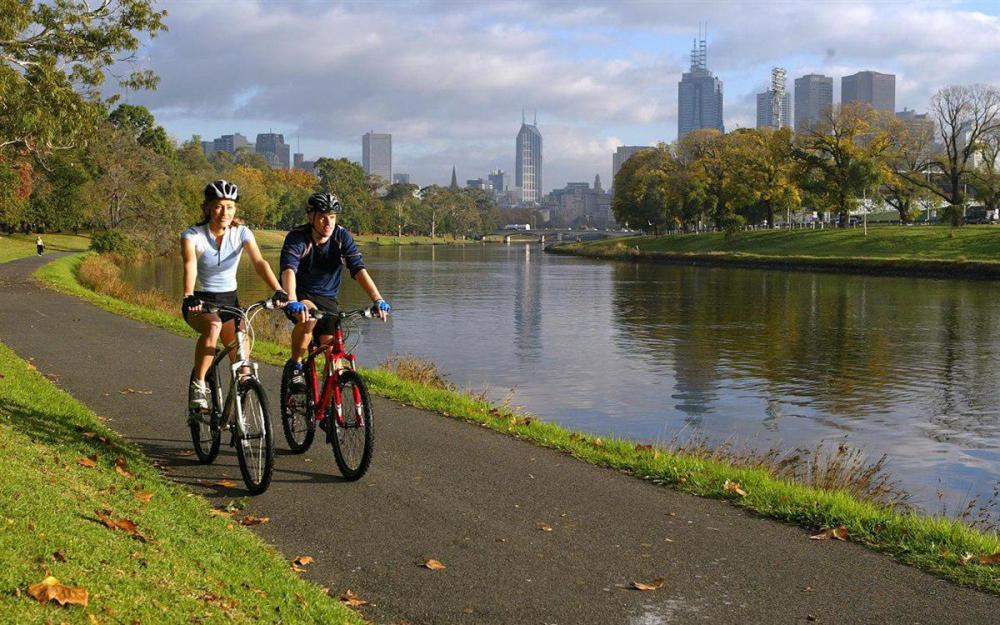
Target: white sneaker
column 198, row 396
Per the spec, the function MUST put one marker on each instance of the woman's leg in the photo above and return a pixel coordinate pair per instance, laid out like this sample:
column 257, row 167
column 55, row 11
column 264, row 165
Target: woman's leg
column 209, row 326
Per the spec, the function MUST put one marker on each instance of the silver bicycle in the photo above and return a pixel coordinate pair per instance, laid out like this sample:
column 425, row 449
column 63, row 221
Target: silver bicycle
column 244, row 412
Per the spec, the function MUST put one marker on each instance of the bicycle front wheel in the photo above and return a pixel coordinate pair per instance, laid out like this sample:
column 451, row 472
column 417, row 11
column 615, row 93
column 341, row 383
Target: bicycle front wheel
column 253, row 437
column 205, row 432
column 353, row 440
column 296, row 413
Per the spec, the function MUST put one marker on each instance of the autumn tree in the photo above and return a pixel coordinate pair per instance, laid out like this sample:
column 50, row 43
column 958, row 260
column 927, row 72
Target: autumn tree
column 766, row 174
column 348, row 181
column 986, row 175
column 911, row 145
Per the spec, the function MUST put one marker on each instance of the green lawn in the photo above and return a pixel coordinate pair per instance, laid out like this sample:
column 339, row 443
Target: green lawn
column 273, row 239
column 968, row 243
column 20, row 245
column 183, row 564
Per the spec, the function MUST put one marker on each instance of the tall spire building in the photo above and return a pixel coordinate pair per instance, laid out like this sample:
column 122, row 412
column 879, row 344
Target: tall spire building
column 528, row 161
column 699, row 94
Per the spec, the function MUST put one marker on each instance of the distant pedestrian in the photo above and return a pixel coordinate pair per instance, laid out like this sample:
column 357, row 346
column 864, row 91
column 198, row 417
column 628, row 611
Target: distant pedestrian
column 39, row 245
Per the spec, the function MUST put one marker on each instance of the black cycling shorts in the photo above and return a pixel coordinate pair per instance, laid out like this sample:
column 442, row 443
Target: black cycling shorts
column 328, row 324
column 227, row 298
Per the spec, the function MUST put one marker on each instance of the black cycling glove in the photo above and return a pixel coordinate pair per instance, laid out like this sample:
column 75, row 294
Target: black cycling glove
column 279, row 297
column 191, row 302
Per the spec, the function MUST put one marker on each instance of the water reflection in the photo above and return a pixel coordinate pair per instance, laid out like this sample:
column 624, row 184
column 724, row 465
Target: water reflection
column 897, row 365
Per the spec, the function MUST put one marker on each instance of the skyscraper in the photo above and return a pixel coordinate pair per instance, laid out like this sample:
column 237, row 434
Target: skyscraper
column 230, row 143
column 878, row 90
column 699, row 95
column 273, row 147
column 376, row 154
column 528, row 162
column 774, row 106
column 813, row 98
column 498, row 179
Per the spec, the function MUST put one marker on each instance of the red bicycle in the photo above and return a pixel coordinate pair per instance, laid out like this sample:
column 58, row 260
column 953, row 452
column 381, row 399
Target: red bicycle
column 340, row 406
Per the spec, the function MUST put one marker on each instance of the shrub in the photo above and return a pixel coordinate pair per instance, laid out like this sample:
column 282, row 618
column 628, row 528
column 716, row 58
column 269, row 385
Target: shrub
column 113, row 242
column 732, row 224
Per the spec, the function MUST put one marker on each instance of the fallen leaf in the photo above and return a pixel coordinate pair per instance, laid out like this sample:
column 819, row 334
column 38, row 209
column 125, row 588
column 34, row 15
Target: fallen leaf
column 545, row 527
column 433, row 565
column 653, row 585
column 226, row 513
column 835, row 533
column 303, row 560
column 254, row 520
column 185, row 452
column 129, row 391
column 734, row 487
column 966, row 558
column 144, row 496
column 58, row 556
column 225, row 483
column 993, row 559
column 49, row 589
column 90, row 462
column 352, row 599
column 126, row 525
column 120, row 468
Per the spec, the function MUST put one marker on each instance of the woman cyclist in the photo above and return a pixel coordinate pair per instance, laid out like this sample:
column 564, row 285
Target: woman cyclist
column 211, row 253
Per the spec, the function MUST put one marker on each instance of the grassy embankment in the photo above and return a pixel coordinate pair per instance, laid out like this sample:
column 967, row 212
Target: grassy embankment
column 970, row 251
column 14, row 246
column 819, row 494
column 272, row 239
column 180, row 564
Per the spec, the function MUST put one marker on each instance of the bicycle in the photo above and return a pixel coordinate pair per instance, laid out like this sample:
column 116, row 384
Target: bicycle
column 352, row 433
column 244, row 412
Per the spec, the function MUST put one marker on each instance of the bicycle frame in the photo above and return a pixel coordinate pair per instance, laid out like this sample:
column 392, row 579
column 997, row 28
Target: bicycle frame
column 322, row 399
column 242, row 361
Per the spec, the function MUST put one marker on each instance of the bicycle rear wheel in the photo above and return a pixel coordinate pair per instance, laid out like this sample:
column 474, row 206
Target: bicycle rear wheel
column 354, row 441
column 205, row 432
column 296, row 414
column 253, row 438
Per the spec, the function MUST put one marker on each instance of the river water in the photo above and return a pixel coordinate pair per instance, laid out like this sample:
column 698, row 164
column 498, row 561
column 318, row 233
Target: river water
column 902, row 366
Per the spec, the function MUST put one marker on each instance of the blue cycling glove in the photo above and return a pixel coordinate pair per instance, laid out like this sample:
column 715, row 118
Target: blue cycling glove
column 295, row 307
column 381, row 306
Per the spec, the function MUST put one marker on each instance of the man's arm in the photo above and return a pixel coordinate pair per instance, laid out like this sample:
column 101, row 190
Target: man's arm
column 368, row 285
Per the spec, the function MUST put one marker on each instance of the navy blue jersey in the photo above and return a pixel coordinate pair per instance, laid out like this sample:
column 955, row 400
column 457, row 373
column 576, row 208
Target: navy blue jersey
column 318, row 267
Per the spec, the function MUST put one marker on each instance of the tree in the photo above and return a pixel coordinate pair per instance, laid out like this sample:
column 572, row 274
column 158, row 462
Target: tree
column 767, row 173
column 348, row 181
column 910, row 145
column 53, row 57
column 986, row 175
column 843, row 156
column 139, row 122
column 964, row 116
column 644, row 193
column 707, row 155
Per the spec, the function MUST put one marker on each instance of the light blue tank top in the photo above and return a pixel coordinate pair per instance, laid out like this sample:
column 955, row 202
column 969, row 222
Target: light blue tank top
column 217, row 265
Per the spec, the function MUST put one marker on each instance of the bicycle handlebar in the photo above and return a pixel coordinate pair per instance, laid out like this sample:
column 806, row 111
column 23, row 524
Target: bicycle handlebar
column 316, row 313
column 214, row 308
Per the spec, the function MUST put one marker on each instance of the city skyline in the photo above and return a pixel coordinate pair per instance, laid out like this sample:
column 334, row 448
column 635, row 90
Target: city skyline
column 447, row 81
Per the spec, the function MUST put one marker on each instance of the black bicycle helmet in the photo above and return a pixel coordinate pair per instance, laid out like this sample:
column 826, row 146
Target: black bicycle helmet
column 324, row 203
column 222, row 190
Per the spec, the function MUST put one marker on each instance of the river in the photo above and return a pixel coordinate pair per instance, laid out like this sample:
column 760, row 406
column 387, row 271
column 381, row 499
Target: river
column 901, row 366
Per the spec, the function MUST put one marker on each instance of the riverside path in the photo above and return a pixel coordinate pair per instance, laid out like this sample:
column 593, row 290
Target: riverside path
column 478, row 501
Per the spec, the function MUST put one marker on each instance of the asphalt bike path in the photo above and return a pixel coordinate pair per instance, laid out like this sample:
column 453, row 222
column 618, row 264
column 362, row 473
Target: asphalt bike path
column 527, row 535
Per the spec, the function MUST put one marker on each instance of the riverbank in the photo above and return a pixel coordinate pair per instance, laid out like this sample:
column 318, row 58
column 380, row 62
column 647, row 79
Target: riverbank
column 167, row 557
column 945, row 547
column 967, row 252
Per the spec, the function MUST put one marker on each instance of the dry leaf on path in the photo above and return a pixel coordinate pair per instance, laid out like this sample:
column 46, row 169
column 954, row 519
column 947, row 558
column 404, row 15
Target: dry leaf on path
column 835, row 533
column 433, row 565
column 352, row 599
column 303, row 560
column 185, row 452
column 254, row 520
column 49, row 589
column 545, row 527
column 129, row 391
column 225, row 483
column 734, row 487
column 653, row 585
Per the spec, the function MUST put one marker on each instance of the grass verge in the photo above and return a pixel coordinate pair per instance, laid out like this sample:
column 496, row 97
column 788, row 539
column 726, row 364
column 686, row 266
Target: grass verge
column 946, row 547
column 273, row 239
column 180, row 564
column 14, row 246
column 970, row 251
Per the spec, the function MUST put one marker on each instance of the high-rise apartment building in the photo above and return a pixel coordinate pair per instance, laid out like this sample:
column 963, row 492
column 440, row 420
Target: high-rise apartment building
column 376, row 154
column 230, row 143
column 813, row 98
column 699, row 95
column 765, row 110
column 272, row 146
column 878, row 90
column 499, row 180
column 528, row 162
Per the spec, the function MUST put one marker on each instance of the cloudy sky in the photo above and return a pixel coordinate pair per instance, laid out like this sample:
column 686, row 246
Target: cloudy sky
column 448, row 79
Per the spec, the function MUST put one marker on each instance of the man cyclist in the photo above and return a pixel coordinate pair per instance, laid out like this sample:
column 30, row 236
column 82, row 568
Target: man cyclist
column 312, row 260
